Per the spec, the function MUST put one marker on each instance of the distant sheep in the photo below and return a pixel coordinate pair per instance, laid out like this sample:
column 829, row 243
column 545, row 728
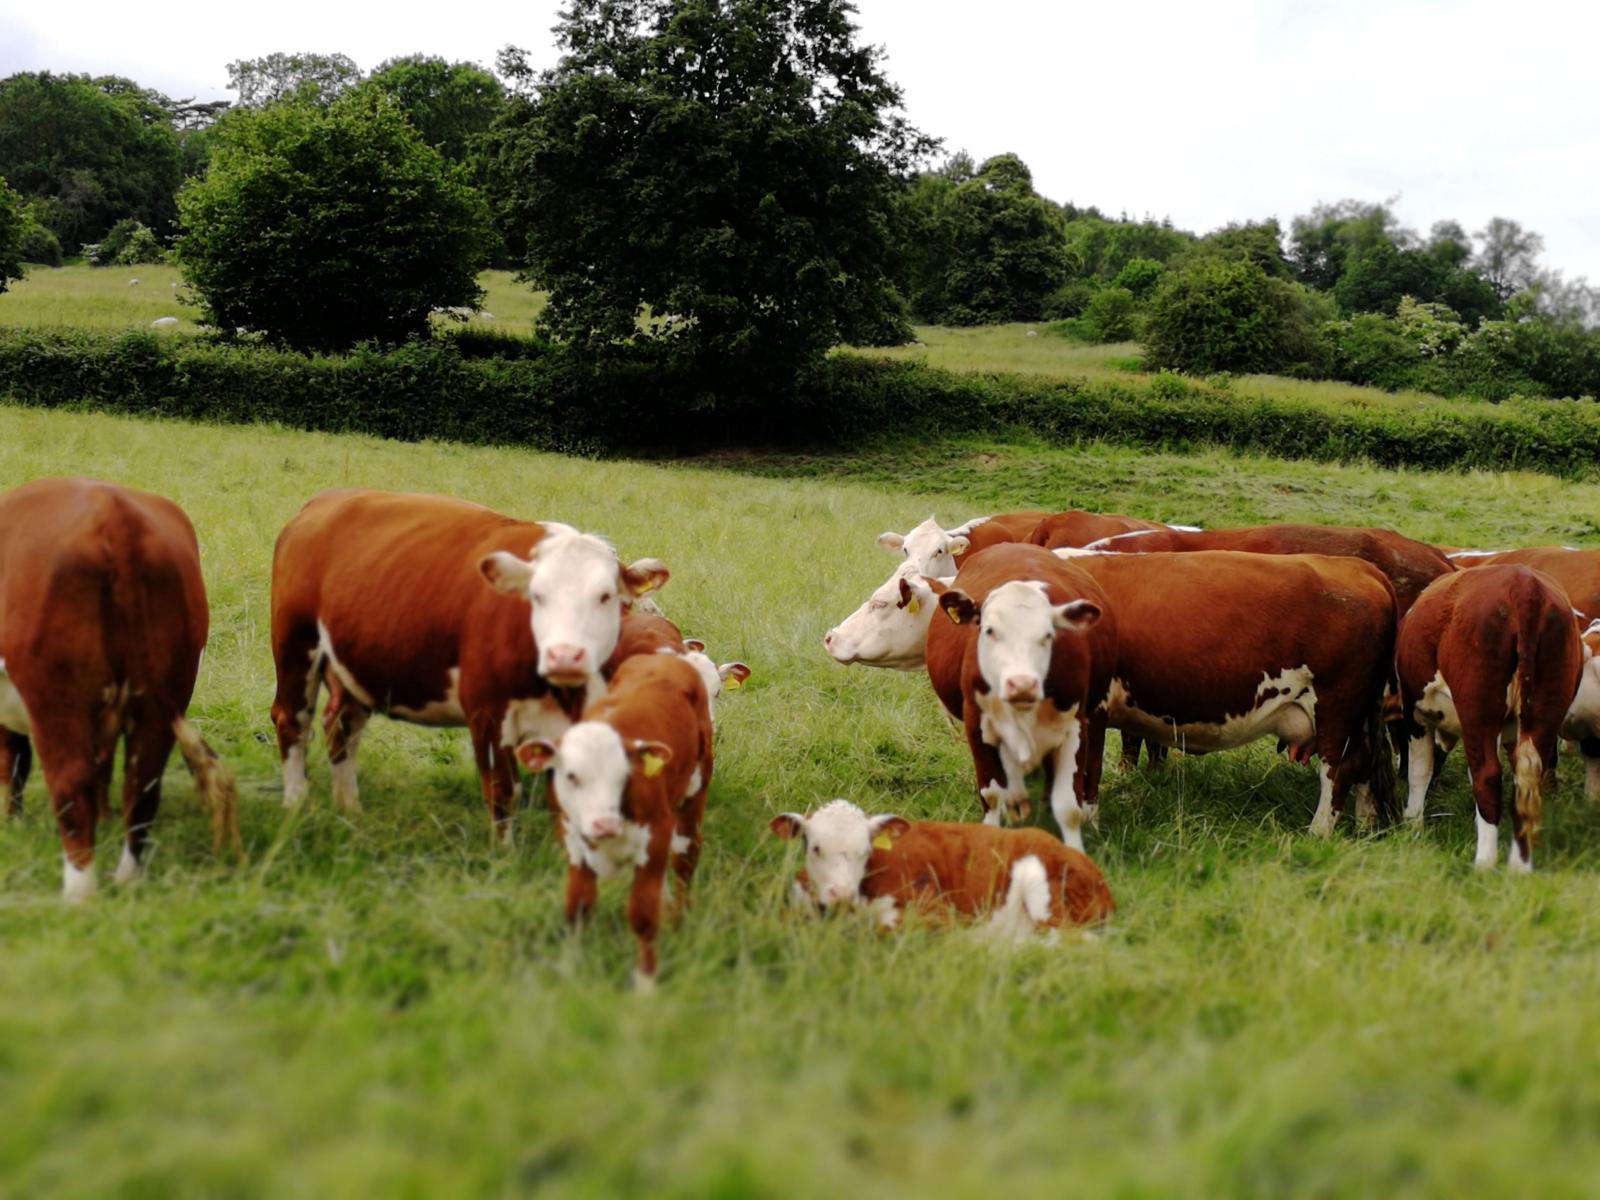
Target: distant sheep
column 164, row 323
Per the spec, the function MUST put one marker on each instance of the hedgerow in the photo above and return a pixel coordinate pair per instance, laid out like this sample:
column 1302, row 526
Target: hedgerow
column 542, row 395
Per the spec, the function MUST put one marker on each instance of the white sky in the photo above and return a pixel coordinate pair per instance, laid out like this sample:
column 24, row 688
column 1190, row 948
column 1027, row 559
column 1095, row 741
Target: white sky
column 1202, row 112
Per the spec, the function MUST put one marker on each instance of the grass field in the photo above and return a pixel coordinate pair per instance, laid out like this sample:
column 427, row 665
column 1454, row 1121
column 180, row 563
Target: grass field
column 382, row 1006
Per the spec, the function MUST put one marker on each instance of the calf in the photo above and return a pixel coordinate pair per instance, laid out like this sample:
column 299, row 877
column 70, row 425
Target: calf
column 1487, row 657
column 1035, row 671
column 102, row 620
column 632, row 776
column 1024, row 878
column 939, row 552
column 651, row 633
column 439, row 612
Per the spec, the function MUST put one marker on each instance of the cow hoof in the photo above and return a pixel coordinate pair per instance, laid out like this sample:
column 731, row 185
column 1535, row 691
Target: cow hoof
column 77, row 887
column 129, row 870
column 643, row 984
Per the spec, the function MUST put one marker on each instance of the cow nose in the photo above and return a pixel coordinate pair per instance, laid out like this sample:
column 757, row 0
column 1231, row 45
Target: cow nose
column 827, row 640
column 564, row 659
column 835, row 895
column 1021, row 689
column 604, row 827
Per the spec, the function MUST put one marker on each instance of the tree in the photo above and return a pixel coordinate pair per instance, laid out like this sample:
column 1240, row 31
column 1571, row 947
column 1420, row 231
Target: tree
column 280, row 76
column 324, row 227
column 1320, row 243
column 1220, row 314
column 1258, row 242
column 1509, row 256
column 728, row 165
column 12, row 222
column 94, row 150
column 451, row 104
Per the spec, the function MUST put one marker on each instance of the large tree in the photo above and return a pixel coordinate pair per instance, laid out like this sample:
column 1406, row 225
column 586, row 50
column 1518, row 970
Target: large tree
column 727, row 166
column 450, row 104
column 1508, row 256
column 321, row 227
column 280, row 76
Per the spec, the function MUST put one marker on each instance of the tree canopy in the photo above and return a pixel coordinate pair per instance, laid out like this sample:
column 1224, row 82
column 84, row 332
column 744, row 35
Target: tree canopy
column 318, row 78
column 12, row 221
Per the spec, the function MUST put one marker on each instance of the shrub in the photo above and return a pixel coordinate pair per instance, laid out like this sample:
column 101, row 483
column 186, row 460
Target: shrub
column 1068, row 300
column 39, row 245
column 127, row 244
column 11, row 224
column 1140, row 277
column 1216, row 314
column 1112, row 316
column 322, row 228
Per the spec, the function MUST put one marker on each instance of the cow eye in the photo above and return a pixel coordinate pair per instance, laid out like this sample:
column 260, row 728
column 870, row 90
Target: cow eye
column 989, row 632
column 605, row 597
column 535, row 598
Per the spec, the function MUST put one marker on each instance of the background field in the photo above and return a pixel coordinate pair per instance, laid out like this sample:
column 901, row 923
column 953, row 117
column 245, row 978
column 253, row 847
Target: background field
column 383, row 1006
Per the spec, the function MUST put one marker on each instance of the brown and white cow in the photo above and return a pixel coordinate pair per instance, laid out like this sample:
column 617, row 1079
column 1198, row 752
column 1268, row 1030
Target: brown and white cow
column 102, row 619
column 1076, row 528
column 1487, row 657
column 440, row 612
column 632, row 777
column 1409, row 566
column 1024, row 879
column 1033, row 647
column 932, row 550
column 651, row 633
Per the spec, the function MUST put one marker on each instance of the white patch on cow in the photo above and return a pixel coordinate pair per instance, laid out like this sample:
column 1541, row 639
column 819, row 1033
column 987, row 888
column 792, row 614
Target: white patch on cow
column 966, row 527
column 1583, row 715
column 445, row 711
column 1108, row 545
column 1419, row 774
column 326, row 652
column 696, row 781
column 77, row 886
column 129, row 869
column 1436, row 709
column 880, row 633
column 1455, row 554
column 885, row 911
column 591, row 767
column 13, row 712
column 1065, row 802
column 1488, row 844
column 643, row 984
column 342, row 776
column 1285, row 707
column 1186, row 528
column 710, row 677
column 527, row 720
column 1515, row 863
column 1027, row 902
column 1322, row 820
column 295, row 781
column 680, row 843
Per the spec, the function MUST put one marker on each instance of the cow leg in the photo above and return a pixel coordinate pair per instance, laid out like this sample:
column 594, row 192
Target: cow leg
column 1483, row 763
column 582, row 888
column 1591, row 768
column 299, row 667
column 644, row 905
column 996, row 791
column 686, row 850
column 1068, row 786
column 1094, row 763
column 497, row 776
column 1327, row 807
column 16, row 760
column 73, row 773
column 343, row 722
column 145, row 752
column 1419, row 774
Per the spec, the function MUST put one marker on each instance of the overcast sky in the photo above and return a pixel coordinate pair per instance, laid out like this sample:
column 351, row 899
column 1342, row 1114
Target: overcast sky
column 1201, row 112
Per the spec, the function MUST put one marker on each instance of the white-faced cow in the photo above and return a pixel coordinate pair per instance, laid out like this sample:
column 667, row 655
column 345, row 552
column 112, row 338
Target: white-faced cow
column 932, row 550
column 102, row 619
column 632, row 777
column 439, row 612
column 1024, row 879
column 1490, row 657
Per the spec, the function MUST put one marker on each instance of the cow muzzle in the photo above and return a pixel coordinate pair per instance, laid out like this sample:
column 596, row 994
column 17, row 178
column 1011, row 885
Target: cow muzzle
column 566, row 665
column 1021, row 689
column 601, row 828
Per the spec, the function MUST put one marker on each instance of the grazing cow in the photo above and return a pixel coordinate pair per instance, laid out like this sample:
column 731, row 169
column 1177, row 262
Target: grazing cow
column 440, row 612
column 1409, row 566
column 102, row 619
column 1578, row 573
column 1076, row 528
column 937, row 552
column 632, row 776
column 890, row 628
column 1024, row 878
column 1033, row 653
column 1487, row 657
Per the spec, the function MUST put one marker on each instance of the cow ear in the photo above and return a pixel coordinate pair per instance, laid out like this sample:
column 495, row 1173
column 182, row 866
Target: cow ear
column 787, row 825
column 651, row 757
column 694, row 644
column 506, row 573
column 646, row 575
column 1076, row 614
column 886, row 829
column 733, row 674
column 959, row 544
column 958, row 606
column 892, row 542
column 536, row 754
column 909, row 600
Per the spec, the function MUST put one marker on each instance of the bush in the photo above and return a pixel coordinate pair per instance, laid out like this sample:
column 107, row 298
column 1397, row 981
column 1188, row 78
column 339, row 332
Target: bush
column 1217, row 314
column 127, row 244
column 1112, row 316
column 321, row 228
column 39, row 245
column 11, row 223
column 1140, row 276
column 1068, row 300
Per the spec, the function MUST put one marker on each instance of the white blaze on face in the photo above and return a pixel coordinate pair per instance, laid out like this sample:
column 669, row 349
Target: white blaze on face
column 890, row 629
column 838, row 840
column 1016, row 636
column 930, row 549
column 591, row 772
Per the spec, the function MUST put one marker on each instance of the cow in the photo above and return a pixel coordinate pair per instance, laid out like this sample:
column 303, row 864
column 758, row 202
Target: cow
column 102, row 620
column 938, row 552
column 890, row 627
column 1077, row 528
column 1033, row 658
column 632, row 776
column 1024, row 879
column 643, row 632
column 1487, row 657
column 1410, row 566
column 439, row 612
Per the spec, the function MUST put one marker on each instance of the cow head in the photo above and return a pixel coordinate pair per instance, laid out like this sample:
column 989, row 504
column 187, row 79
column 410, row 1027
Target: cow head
column 839, row 839
column 716, row 677
column 1017, row 627
column 577, row 589
column 929, row 548
column 592, row 765
column 891, row 628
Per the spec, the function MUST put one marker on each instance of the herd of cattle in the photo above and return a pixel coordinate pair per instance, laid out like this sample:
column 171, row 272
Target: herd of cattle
column 542, row 642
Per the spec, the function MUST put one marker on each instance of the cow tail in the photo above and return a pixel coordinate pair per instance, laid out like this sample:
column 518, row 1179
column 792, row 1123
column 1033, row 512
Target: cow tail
column 1527, row 764
column 1381, row 777
column 213, row 782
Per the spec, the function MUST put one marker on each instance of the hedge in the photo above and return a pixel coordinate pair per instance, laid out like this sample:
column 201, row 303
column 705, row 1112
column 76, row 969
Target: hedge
column 544, row 397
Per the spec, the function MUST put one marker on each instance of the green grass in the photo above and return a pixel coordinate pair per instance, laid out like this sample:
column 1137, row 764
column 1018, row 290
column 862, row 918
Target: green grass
column 381, row 1006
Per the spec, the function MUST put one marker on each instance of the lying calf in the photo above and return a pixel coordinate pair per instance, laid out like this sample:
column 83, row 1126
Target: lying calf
column 631, row 782
column 1024, row 878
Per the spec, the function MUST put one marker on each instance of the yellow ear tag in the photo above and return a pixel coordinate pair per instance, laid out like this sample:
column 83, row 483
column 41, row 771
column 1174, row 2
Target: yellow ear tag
column 913, row 606
column 955, row 617
column 649, row 585
column 883, row 842
column 652, row 765
column 732, row 683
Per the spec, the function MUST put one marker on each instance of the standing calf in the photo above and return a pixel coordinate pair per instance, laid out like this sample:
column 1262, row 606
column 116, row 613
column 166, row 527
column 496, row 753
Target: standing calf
column 1024, row 878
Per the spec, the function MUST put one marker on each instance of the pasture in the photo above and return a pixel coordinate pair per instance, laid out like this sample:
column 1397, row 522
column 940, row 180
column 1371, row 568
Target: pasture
column 383, row 1005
